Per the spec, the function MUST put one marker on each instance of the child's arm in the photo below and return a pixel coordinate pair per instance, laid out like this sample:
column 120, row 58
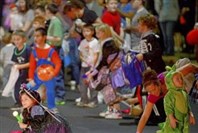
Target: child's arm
column 32, row 67
column 57, row 61
column 173, row 121
column 95, row 58
column 22, row 66
column 23, row 125
column 145, row 116
column 169, row 101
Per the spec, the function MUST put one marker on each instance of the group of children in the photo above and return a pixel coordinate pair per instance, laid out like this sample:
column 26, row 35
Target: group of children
column 99, row 50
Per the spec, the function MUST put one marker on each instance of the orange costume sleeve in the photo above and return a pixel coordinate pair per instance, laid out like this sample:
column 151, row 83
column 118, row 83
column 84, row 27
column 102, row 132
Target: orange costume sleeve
column 43, row 53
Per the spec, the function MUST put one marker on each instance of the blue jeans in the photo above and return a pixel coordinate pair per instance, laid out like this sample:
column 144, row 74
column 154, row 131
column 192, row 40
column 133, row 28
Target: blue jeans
column 167, row 28
column 60, row 85
column 75, row 59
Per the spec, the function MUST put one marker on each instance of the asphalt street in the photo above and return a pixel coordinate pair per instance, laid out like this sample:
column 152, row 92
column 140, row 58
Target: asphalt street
column 82, row 120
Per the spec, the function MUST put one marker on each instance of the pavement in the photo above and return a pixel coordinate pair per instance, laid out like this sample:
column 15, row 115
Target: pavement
column 82, row 120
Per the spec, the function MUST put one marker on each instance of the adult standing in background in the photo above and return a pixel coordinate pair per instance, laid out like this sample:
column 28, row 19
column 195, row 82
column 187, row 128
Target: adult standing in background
column 80, row 15
column 27, row 13
column 138, row 5
column 94, row 5
column 168, row 11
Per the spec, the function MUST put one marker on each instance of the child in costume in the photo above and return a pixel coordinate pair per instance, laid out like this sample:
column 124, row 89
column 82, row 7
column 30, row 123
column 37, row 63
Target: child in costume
column 42, row 59
column 149, row 45
column 36, row 119
column 176, row 105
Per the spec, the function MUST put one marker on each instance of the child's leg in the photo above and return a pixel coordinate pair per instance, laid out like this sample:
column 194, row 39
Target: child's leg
column 50, row 89
column 22, row 79
column 83, row 87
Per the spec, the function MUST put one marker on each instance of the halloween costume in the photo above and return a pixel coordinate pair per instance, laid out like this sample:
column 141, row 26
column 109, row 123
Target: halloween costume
column 41, row 120
column 176, row 103
column 39, row 58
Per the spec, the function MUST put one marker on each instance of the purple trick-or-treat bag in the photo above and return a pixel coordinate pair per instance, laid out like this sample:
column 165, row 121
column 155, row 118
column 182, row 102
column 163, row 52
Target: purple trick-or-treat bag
column 117, row 78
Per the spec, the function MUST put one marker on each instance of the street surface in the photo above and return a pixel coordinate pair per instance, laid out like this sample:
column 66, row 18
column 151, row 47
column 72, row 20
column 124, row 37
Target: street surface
column 82, row 120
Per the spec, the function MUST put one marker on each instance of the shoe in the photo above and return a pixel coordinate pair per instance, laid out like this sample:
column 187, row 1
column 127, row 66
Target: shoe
column 78, row 100
column 126, row 111
column 81, row 104
column 60, row 102
column 91, row 105
column 16, row 106
column 114, row 115
column 105, row 113
column 54, row 110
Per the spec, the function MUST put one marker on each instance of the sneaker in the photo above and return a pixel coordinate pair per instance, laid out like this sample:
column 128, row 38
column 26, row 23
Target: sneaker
column 114, row 115
column 54, row 110
column 16, row 106
column 81, row 104
column 91, row 105
column 105, row 113
column 126, row 111
column 60, row 102
column 78, row 100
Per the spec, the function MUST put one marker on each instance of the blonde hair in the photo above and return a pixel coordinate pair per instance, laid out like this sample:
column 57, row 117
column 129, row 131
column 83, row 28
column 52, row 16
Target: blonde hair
column 110, row 33
column 7, row 38
column 104, row 28
column 19, row 33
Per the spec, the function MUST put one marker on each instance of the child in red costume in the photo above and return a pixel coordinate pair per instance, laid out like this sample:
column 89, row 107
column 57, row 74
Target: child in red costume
column 43, row 55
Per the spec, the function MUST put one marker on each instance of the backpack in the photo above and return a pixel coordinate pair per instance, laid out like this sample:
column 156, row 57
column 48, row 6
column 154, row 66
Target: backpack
column 133, row 69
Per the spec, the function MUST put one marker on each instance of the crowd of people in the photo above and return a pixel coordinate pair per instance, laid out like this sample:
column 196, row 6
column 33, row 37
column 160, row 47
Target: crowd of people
column 110, row 46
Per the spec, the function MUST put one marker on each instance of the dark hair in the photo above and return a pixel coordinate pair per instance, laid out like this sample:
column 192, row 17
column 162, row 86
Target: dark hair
column 53, row 8
column 150, row 76
column 73, row 4
column 40, row 7
column 89, row 26
column 42, row 31
column 31, row 93
column 27, row 6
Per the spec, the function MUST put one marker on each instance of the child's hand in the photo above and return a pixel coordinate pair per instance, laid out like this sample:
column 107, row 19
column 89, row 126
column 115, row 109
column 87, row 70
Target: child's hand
column 191, row 119
column 17, row 66
column 173, row 122
column 139, row 57
column 22, row 125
